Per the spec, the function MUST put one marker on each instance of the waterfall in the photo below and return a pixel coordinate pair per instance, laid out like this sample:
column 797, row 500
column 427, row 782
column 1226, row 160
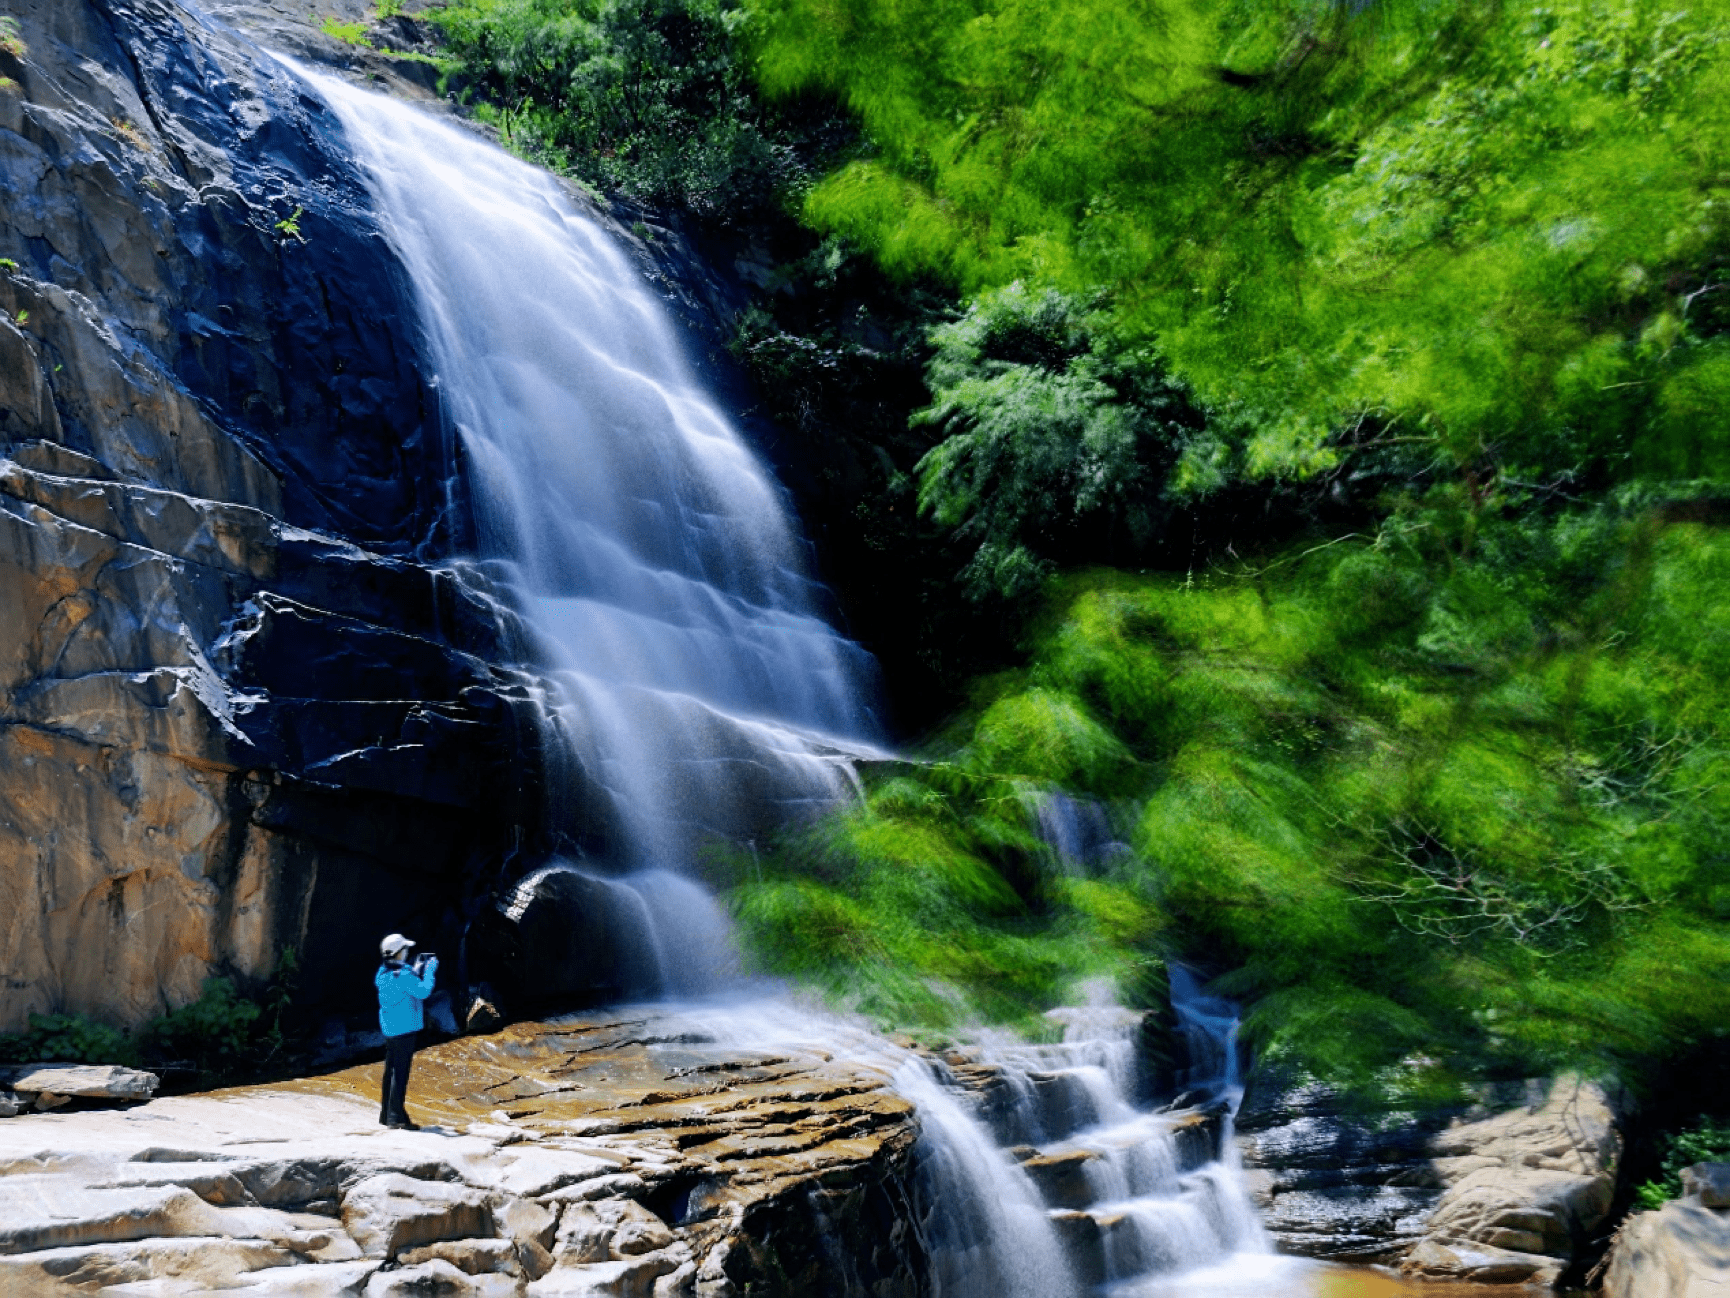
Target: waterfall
column 653, row 561
column 649, row 552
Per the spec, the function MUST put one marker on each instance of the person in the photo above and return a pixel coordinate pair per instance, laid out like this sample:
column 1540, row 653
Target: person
column 401, row 989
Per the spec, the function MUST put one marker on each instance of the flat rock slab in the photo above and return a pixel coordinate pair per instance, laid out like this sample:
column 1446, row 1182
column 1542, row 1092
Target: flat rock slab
column 211, row 1262
column 80, row 1081
column 610, row 1154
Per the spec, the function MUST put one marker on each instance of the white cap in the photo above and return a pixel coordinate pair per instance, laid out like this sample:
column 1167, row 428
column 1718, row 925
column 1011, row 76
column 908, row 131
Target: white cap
column 395, row 944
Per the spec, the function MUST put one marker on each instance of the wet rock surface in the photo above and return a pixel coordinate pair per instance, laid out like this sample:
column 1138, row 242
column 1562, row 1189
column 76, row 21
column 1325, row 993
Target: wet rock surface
column 1508, row 1191
column 603, row 1155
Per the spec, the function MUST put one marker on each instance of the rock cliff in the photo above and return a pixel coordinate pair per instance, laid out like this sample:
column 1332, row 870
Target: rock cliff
column 241, row 709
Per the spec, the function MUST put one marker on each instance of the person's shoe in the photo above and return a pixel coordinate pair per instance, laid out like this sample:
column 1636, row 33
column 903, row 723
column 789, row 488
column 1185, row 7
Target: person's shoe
column 402, row 1124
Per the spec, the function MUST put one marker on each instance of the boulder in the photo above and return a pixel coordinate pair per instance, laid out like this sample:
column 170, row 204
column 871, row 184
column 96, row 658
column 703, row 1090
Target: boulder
column 1708, row 1184
column 1530, row 1185
column 391, row 1213
column 470, row 1256
column 1680, row 1251
column 523, row 1221
column 80, row 1081
column 609, row 1230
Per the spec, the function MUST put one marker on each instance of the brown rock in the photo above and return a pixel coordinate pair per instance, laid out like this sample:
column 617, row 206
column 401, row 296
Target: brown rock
column 1062, row 1178
column 470, row 1256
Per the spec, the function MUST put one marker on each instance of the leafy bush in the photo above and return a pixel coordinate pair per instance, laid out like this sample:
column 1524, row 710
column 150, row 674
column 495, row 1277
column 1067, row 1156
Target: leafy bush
column 67, row 1039
column 1707, row 1141
column 1059, row 436
column 224, row 1035
column 650, row 99
column 1394, row 230
column 1453, row 789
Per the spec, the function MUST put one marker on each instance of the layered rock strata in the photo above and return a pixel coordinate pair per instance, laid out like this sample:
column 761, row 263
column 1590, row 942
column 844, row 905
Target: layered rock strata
column 240, row 708
column 1509, row 1191
column 603, row 1155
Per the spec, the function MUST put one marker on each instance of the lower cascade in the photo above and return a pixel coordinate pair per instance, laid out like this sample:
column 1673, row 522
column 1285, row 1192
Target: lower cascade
column 1052, row 1175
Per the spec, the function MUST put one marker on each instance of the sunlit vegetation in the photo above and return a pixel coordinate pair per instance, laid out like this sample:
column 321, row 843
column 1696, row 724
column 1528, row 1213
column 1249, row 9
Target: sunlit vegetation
column 1452, row 791
column 1327, row 412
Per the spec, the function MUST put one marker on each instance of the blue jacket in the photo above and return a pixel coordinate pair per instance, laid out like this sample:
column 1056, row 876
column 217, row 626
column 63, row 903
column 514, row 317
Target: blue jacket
column 400, row 993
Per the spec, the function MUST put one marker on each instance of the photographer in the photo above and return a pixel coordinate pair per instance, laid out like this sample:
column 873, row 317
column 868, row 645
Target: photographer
column 401, row 989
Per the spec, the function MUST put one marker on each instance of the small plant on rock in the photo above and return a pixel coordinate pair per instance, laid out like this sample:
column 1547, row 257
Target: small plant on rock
column 289, row 226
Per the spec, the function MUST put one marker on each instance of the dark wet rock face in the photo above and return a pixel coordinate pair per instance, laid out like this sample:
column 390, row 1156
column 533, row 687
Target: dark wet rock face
column 1508, row 1189
column 238, row 709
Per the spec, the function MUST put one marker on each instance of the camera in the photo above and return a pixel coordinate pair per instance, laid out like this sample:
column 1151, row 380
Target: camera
column 421, row 959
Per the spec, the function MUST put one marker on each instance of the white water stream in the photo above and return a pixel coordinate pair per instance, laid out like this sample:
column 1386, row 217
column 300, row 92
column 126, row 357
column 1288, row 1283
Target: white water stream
column 653, row 559
column 647, row 548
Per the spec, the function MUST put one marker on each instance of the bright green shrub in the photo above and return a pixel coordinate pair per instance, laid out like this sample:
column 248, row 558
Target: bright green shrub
column 1447, row 792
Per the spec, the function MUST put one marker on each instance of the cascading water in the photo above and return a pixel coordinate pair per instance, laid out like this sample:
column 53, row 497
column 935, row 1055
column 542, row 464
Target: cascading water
column 652, row 559
column 649, row 552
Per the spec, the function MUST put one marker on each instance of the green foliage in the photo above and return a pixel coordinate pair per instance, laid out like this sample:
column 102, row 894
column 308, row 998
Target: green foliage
column 348, row 33
column 212, row 1033
column 10, row 40
column 389, row 8
column 67, row 1039
column 23, row 317
column 1705, row 1142
column 1445, row 233
column 8, row 265
column 1449, row 790
column 650, row 99
column 224, row 1035
column 931, row 907
column 1059, row 438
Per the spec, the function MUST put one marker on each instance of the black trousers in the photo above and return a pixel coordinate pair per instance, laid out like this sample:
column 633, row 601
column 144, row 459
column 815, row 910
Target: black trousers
column 398, row 1059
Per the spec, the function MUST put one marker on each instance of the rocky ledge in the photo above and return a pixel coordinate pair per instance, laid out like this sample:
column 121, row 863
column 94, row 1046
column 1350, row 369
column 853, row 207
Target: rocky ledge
column 621, row 1155
column 1508, row 1190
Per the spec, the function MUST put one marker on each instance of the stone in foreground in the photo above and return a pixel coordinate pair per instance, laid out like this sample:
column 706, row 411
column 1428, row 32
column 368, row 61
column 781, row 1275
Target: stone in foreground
column 80, row 1081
